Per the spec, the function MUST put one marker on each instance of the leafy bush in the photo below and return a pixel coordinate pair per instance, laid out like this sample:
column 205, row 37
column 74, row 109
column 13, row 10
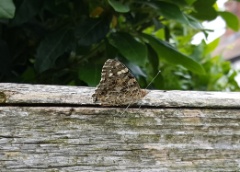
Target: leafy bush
column 67, row 42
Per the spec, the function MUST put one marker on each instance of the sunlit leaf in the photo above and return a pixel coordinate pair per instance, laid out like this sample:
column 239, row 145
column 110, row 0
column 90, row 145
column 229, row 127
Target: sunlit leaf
column 7, row 9
column 230, row 19
column 194, row 22
column 212, row 45
column 190, row 2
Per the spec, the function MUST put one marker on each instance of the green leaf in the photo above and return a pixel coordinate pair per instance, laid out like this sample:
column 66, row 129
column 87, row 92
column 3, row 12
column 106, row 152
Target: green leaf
column 211, row 46
column 28, row 74
column 91, row 31
column 204, row 10
column 129, row 47
column 7, row 9
column 230, row 19
column 171, row 80
column 153, row 69
column 153, row 60
column 172, row 56
column 178, row 2
column 170, row 11
column 194, row 23
column 118, row 6
column 27, row 10
column 53, row 46
column 190, row 2
column 135, row 70
column 90, row 74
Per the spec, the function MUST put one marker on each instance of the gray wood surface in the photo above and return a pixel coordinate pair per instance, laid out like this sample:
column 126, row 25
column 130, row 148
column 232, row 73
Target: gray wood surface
column 30, row 94
column 58, row 128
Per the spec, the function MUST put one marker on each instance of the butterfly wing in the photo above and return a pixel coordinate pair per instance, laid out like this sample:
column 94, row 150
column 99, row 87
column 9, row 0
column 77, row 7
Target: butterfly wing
column 117, row 86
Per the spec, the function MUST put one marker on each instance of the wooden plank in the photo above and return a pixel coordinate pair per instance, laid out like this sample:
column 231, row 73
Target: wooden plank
column 58, row 128
column 96, row 139
column 40, row 94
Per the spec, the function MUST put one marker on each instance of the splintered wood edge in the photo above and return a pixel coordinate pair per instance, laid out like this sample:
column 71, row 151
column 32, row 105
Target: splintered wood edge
column 28, row 94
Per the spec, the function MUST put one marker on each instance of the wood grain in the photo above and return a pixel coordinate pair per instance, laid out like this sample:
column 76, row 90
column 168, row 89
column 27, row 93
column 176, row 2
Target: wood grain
column 172, row 131
column 40, row 94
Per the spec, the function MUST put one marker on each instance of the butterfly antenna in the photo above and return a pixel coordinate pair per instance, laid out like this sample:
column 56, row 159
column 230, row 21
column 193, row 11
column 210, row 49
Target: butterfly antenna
column 153, row 79
column 126, row 109
column 145, row 88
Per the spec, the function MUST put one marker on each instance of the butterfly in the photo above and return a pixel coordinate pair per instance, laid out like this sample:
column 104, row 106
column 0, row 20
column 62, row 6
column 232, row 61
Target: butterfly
column 117, row 86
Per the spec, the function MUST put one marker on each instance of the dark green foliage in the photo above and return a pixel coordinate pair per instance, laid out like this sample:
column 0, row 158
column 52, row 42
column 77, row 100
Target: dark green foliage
column 67, row 41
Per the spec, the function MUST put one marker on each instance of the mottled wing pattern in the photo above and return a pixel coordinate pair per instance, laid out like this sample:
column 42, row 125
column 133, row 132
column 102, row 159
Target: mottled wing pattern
column 117, row 86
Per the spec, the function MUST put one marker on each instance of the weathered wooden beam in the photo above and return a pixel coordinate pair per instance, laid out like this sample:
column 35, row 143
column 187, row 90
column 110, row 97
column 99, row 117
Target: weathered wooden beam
column 58, row 128
column 40, row 94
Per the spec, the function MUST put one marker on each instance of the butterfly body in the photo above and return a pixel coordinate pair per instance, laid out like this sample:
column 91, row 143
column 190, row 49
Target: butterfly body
column 117, row 86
